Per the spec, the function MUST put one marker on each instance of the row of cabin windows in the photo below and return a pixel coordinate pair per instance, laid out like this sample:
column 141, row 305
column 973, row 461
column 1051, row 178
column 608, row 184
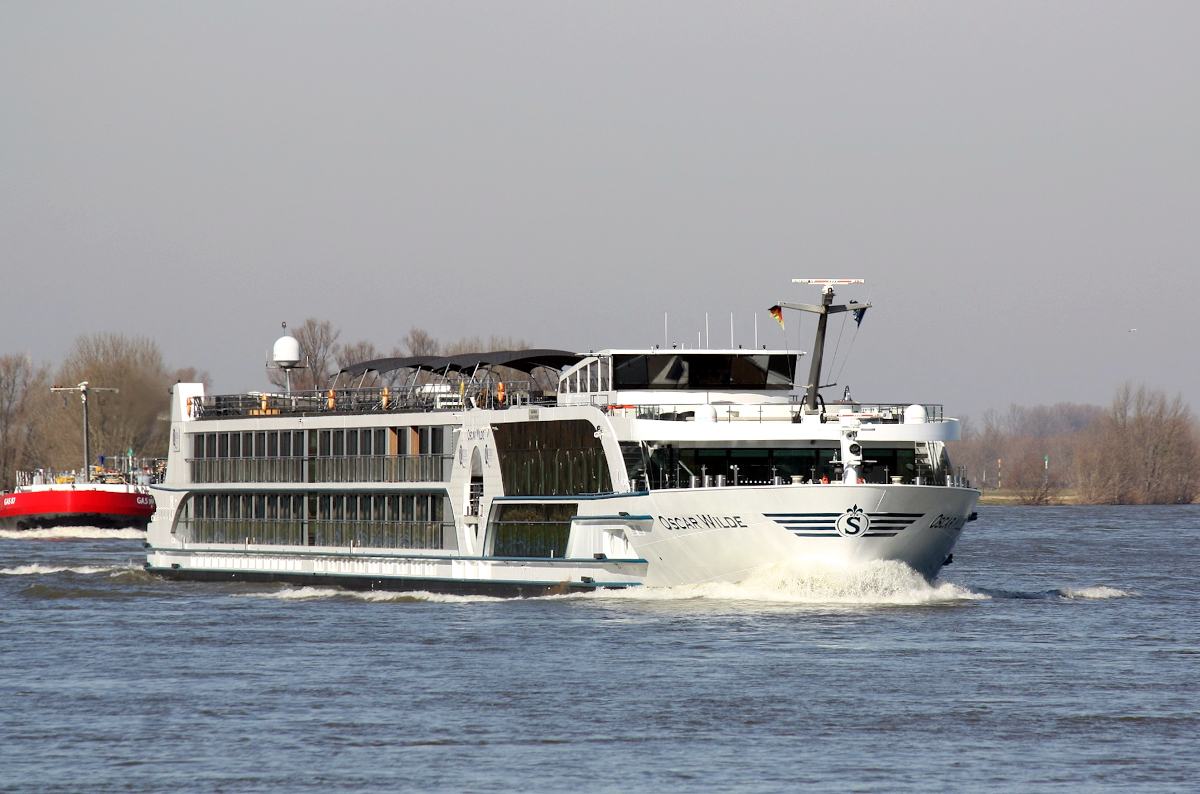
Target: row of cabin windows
column 365, row 519
column 353, row 442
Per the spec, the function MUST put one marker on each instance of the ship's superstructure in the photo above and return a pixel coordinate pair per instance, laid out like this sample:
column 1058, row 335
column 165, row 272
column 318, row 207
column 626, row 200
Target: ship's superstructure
column 538, row 471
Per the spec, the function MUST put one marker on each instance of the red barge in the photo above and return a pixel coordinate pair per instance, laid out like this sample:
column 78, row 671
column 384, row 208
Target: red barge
column 105, row 505
column 117, row 497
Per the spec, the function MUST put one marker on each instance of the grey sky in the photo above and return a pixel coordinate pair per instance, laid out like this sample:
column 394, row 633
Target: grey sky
column 1018, row 182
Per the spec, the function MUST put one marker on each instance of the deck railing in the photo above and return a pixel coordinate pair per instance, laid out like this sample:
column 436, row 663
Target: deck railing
column 483, row 393
column 765, row 412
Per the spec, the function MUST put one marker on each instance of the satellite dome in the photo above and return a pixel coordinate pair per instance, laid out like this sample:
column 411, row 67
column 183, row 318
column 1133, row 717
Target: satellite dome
column 286, row 353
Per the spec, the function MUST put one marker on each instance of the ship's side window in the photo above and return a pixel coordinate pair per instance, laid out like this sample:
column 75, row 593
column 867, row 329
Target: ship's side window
column 273, row 444
column 222, row 445
column 260, row 444
column 381, row 441
column 430, row 440
column 198, row 445
column 325, row 440
column 339, row 443
column 781, row 371
column 352, row 443
column 285, row 444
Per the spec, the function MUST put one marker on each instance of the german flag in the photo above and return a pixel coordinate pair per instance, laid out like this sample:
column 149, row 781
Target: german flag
column 777, row 313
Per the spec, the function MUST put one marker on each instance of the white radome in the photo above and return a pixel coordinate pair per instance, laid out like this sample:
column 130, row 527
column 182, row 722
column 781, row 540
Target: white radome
column 286, row 352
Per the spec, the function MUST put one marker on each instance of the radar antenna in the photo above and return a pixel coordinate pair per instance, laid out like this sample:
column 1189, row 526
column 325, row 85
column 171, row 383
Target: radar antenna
column 822, row 311
column 287, row 355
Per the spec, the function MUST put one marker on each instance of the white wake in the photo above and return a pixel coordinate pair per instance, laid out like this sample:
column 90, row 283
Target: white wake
column 811, row 582
column 310, row 593
column 68, row 533
column 37, row 569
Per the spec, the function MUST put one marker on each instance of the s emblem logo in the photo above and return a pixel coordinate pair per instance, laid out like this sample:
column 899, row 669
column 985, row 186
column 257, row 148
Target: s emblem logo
column 853, row 523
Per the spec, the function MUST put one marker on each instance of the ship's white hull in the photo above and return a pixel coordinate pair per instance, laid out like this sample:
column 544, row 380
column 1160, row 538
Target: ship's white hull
column 660, row 538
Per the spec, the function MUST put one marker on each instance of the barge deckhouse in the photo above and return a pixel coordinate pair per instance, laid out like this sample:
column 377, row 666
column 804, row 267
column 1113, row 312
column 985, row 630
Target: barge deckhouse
column 480, row 474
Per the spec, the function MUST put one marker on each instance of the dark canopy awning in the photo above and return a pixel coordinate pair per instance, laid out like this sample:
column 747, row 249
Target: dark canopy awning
column 523, row 360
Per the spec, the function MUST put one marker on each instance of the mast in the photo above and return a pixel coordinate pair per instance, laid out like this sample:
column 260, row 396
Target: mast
column 822, row 311
column 83, row 388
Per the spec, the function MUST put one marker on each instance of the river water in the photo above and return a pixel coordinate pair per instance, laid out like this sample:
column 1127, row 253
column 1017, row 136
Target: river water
column 1060, row 652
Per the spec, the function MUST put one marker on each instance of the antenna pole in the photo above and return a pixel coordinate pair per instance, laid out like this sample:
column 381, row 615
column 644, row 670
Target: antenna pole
column 822, row 311
column 87, row 441
column 83, row 388
column 814, row 369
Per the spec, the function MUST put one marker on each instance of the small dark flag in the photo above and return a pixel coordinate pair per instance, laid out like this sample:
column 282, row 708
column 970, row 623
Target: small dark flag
column 859, row 314
column 777, row 313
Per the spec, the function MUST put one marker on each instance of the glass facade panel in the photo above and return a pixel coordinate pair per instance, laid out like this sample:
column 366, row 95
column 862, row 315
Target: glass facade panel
column 386, row 521
column 532, row 530
column 551, row 458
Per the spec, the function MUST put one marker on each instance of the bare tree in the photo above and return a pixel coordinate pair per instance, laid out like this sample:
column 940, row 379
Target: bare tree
column 475, row 344
column 418, row 342
column 360, row 352
column 23, row 390
column 190, row 375
column 129, row 420
column 1143, row 451
column 1021, row 433
column 1026, row 471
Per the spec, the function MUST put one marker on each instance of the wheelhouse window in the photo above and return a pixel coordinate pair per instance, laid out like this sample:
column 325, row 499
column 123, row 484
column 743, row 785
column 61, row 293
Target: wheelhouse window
column 704, row 371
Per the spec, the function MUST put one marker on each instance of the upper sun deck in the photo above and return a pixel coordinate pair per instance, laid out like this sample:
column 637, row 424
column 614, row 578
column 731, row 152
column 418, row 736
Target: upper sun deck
column 655, row 384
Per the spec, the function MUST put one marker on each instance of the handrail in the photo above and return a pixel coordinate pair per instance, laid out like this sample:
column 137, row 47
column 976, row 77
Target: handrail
column 479, row 392
column 767, row 412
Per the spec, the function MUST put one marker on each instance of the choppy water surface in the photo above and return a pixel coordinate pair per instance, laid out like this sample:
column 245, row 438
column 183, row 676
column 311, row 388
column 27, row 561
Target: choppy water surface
column 1059, row 652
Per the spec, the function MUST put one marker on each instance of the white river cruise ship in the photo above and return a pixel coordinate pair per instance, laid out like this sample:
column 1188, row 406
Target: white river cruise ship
column 542, row 471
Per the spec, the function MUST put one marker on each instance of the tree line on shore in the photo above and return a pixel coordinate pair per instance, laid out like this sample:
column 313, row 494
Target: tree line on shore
column 44, row 429
column 1142, row 449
